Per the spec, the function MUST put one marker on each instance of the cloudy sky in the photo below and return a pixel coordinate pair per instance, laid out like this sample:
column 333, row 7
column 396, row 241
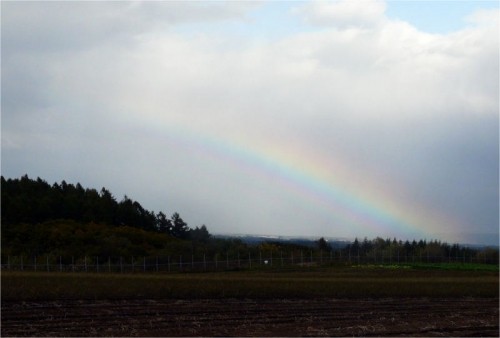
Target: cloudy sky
column 340, row 119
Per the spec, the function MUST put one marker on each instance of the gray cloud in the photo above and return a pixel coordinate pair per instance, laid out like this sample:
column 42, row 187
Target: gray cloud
column 116, row 95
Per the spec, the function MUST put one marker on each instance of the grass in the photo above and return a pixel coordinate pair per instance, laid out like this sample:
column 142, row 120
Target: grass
column 347, row 282
column 436, row 266
column 457, row 266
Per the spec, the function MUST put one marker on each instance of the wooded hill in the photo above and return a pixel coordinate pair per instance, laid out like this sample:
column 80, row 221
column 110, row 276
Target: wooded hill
column 62, row 218
column 35, row 201
column 66, row 220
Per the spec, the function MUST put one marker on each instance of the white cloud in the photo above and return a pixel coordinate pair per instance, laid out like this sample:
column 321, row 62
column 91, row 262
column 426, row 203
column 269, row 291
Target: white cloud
column 485, row 17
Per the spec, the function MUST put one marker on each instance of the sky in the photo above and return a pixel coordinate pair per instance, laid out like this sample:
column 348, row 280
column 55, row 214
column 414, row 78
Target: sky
column 339, row 119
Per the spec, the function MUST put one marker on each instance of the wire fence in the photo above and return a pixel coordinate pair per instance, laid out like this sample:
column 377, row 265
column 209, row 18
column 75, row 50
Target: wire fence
column 223, row 262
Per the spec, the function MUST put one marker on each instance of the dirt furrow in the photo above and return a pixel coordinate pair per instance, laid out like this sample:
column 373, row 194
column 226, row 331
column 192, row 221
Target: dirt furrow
column 315, row 317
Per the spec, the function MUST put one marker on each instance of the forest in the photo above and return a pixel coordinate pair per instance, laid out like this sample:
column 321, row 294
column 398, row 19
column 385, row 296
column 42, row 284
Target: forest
column 68, row 220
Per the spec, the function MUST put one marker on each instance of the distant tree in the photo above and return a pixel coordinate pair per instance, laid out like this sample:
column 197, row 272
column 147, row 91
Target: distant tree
column 150, row 223
column 366, row 246
column 355, row 246
column 200, row 234
column 126, row 212
column 379, row 243
column 29, row 201
column 323, row 244
column 422, row 244
column 407, row 248
column 163, row 224
column 108, row 207
column 180, row 228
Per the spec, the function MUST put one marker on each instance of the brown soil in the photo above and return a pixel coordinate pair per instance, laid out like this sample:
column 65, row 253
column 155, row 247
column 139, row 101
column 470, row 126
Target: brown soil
column 250, row 317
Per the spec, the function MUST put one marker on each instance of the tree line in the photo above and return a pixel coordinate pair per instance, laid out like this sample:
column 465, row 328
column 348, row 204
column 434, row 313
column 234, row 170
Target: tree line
column 422, row 249
column 32, row 201
column 67, row 220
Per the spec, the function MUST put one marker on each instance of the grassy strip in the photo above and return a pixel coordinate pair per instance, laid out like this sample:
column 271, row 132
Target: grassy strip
column 353, row 283
column 457, row 266
column 435, row 266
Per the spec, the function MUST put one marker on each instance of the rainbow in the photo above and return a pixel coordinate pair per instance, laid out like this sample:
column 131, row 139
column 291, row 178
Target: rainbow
column 368, row 208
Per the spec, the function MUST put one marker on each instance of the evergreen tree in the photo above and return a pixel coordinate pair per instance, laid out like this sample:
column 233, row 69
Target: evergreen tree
column 180, row 228
column 323, row 245
column 163, row 224
column 200, row 234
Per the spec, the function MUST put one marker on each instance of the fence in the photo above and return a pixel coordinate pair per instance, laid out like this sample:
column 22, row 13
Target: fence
column 221, row 262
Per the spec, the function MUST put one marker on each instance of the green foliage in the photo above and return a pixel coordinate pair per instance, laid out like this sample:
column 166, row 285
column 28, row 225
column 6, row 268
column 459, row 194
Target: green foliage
column 434, row 251
column 456, row 266
column 72, row 239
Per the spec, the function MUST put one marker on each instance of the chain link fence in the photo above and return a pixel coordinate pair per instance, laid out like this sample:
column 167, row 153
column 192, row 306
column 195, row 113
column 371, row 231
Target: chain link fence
column 225, row 261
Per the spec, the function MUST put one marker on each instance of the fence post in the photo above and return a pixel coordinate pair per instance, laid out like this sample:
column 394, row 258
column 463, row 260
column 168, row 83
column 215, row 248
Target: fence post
column 156, row 263
column 192, row 261
column 168, row 263
column 22, row 263
column 121, row 264
column 48, row 268
column 35, row 263
column 281, row 254
column 85, row 262
column 109, row 264
column 227, row 260
column 249, row 260
column 144, row 263
column 60, row 264
column 260, row 257
column 133, row 266
column 180, row 262
column 216, row 261
column 8, row 262
column 239, row 265
column 204, row 261
column 97, row 263
column 73, row 263
column 271, row 258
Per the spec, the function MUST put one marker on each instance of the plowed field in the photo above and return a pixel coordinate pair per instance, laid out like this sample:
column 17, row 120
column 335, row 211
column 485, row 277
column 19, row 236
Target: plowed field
column 251, row 317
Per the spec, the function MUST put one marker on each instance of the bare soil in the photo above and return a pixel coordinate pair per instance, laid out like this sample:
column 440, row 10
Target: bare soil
column 252, row 317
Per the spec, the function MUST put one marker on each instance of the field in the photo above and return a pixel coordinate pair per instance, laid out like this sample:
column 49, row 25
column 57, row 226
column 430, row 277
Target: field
column 312, row 302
